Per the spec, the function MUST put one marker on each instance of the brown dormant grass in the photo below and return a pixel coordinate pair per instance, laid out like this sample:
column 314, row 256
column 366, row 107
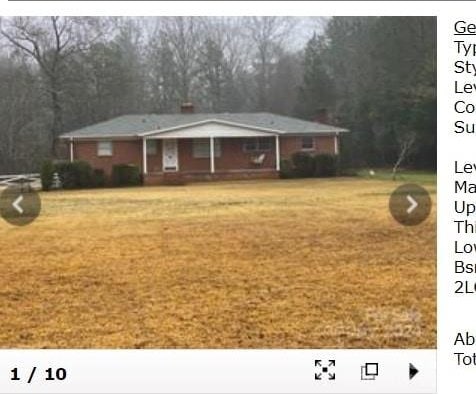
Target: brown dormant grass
column 262, row 264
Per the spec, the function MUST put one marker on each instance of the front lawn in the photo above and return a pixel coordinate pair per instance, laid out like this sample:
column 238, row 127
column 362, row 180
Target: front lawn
column 259, row 264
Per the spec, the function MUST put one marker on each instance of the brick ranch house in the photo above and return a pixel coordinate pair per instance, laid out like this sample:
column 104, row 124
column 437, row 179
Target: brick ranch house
column 199, row 146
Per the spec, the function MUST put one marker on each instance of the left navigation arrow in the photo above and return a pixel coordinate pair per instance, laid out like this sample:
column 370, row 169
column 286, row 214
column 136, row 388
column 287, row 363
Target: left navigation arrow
column 19, row 207
column 16, row 204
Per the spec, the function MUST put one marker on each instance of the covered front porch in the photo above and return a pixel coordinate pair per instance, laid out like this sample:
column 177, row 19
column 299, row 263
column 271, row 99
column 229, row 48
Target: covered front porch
column 211, row 151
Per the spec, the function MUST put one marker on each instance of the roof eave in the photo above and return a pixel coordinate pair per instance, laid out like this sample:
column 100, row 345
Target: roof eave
column 319, row 132
column 69, row 136
column 212, row 120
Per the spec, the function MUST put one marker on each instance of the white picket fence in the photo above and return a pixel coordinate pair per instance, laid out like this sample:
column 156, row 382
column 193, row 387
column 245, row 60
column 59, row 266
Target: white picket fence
column 21, row 180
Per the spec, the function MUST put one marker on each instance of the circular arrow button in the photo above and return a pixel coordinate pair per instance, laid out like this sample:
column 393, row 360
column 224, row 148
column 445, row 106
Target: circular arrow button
column 410, row 204
column 19, row 207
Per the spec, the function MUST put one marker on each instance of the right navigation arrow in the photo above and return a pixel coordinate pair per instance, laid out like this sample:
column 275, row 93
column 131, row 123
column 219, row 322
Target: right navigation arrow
column 412, row 371
column 413, row 204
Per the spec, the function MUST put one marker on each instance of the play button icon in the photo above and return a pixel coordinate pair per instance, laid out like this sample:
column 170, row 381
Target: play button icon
column 19, row 207
column 410, row 204
column 412, row 371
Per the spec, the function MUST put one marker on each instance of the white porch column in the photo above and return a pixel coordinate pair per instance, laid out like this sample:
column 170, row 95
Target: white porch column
column 144, row 156
column 71, row 150
column 336, row 143
column 278, row 154
column 212, row 155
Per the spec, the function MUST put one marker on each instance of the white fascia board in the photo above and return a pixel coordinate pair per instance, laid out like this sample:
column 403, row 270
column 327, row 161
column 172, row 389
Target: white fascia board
column 99, row 137
column 219, row 121
column 323, row 133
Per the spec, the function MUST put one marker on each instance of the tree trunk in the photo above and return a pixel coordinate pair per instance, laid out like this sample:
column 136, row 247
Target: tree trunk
column 57, row 127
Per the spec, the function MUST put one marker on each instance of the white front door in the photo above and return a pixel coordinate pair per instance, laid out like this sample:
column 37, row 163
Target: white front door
column 169, row 155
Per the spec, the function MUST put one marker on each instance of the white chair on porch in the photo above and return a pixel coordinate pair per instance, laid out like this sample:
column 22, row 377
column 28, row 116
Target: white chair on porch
column 258, row 160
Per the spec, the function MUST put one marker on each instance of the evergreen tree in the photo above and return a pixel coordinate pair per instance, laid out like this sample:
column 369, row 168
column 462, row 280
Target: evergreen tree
column 317, row 89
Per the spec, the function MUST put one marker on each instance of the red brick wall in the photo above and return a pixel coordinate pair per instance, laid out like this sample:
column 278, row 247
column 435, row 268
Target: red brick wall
column 232, row 157
column 154, row 162
column 183, row 178
column 289, row 145
column 186, row 160
column 123, row 152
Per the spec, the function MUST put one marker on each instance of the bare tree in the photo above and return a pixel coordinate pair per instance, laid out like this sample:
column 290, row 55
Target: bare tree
column 219, row 61
column 162, row 76
column 405, row 145
column 183, row 37
column 50, row 41
column 22, row 117
column 268, row 34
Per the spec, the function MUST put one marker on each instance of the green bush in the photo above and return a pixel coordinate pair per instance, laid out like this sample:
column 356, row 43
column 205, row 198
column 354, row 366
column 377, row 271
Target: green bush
column 286, row 169
column 75, row 175
column 47, row 174
column 325, row 165
column 125, row 175
column 84, row 173
column 99, row 178
column 66, row 175
column 303, row 164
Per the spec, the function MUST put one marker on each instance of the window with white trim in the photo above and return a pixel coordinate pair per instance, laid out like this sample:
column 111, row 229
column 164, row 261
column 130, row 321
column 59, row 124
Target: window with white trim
column 104, row 148
column 307, row 143
column 257, row 145
column 151, row 147
column 201, row 148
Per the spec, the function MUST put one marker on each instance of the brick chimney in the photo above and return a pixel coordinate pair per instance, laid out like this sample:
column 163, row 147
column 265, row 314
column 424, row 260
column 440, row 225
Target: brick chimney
column 322, row 116
column 187, row 108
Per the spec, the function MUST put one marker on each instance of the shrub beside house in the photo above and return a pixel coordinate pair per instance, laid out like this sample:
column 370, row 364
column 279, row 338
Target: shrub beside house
column 80, row 175
column 305, row 165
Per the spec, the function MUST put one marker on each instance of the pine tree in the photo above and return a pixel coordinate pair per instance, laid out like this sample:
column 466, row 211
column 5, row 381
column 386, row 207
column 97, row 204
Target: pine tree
column 317, row 89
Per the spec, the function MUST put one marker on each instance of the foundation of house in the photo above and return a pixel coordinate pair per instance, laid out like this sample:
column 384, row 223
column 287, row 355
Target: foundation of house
column 178, row 178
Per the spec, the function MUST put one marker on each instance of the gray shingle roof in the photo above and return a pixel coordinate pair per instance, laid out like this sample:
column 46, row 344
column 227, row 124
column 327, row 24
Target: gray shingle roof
column 134, row 125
